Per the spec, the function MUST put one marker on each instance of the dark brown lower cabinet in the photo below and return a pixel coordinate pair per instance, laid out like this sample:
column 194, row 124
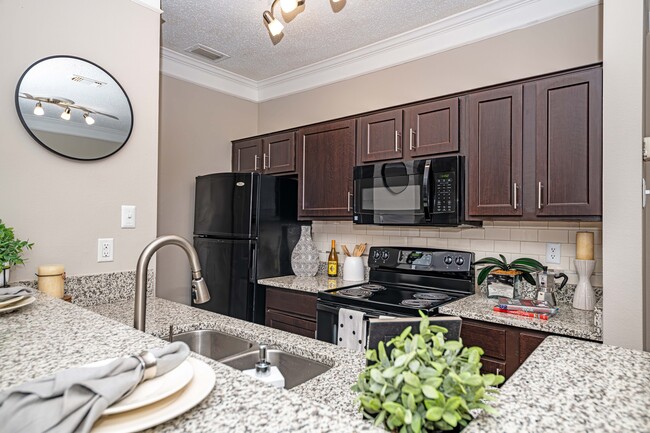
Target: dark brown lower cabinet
column 291, row 311
column 505, row 347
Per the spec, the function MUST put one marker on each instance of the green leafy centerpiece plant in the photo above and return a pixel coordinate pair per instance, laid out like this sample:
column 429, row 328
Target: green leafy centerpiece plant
column 426, row 384
column 503, row 277
column 11, row 251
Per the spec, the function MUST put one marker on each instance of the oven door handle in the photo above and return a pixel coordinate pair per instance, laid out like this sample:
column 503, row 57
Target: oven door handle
column 426, row 190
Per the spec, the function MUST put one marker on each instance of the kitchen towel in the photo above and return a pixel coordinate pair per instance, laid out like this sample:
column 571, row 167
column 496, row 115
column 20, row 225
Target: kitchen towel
column 13, row 291
column 352, row 330
column 72, row 400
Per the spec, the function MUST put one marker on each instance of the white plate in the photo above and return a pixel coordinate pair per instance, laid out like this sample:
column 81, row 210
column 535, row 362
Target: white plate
column 155, row 389
column 11, row 301
column 163, row 410
column 28, row 300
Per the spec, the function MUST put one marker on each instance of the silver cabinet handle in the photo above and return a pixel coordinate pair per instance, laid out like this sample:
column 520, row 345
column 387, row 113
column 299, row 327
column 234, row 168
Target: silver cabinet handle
column 514, row 193
column 398, row 141
column 349, row 200
column 411, row 141
column 539, row 195
column 264, row 167
column 498, row 371
column 256, row 159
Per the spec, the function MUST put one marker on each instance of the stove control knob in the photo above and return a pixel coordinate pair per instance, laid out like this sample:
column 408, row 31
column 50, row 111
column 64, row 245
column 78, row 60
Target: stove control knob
column 376, row 255
column 448, row 260
column 460, row 261
column 384, row 255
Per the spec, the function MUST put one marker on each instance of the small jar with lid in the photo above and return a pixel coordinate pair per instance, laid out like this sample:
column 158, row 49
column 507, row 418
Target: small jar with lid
column 51, row 279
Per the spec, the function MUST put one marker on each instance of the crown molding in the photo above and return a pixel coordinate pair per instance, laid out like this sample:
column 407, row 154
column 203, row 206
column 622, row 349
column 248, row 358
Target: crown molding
column 153, row 5
column 483, row 22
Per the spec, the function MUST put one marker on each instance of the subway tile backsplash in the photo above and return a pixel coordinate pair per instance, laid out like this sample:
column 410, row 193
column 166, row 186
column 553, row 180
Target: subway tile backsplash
column 511, row 238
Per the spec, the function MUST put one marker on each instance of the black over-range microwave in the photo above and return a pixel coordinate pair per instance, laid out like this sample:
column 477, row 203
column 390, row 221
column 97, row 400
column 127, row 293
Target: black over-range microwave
column 419, row 192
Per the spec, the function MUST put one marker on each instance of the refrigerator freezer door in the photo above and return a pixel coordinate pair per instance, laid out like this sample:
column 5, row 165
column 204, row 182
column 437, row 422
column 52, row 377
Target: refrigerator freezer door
column 225, row 205
column 226, row 265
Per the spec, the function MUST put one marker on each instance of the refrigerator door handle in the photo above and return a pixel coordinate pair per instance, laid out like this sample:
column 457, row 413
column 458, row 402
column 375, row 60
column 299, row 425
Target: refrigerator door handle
column 253, row 274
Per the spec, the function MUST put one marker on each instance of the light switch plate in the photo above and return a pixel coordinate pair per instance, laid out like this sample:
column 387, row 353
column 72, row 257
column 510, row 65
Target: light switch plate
column 553, row 252
column 128, row 216
column 105, row 250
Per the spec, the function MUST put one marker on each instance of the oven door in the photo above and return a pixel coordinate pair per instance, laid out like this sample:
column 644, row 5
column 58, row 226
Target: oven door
column 327, row 318
column 393, row 193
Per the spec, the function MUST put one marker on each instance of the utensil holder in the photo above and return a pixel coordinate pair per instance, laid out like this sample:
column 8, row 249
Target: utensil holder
column 584, row 297
column 353, row 269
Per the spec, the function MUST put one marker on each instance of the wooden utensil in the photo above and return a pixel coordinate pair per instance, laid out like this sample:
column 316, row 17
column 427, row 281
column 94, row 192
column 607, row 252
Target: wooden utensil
column 362, row 248
column 345, row 250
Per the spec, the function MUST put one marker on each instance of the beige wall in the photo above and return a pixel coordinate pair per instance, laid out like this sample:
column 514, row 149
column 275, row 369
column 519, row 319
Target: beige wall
column 64, row 205
column 623, row 95
column 196, row 127
column 565, row 42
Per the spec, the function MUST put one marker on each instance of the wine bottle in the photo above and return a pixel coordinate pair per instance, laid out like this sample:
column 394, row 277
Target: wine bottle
column 333, row 262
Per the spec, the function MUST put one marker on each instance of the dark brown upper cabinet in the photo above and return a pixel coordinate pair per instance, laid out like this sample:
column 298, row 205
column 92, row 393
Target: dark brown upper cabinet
column 568, row 144
column 495, row 122
column 414, row 132
column 279, row 153
column 432, row 128
column 325, row 156
column 270, row 154
column 246, row 156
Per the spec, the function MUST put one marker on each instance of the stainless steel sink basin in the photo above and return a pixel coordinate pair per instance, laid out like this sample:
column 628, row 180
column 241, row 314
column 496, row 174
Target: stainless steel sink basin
column 295, row 369
column 213, row 344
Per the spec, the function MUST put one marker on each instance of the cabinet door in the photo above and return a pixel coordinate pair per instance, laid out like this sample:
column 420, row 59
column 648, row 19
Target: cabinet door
column 325, row 155
column 380, row 136
column 495, row 152
column 569, row 144
column 295, row 325
column 246, row 156
column 432, row 128
column 528, row 342
column 279, row 153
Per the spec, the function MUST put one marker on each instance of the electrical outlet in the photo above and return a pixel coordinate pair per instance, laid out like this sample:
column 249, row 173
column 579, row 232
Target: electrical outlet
column 105, row 250
column 553, row 252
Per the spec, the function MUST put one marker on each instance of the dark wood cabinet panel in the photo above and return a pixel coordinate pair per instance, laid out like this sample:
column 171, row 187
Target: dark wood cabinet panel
column 325, row 155
column 493, row 366
column 569, row 144
column 495, row 152
column 379, row 136
column 246, row 155
column 490, row 338
column 528, row 342
column 432, row 128
column 279, row 153
column 291, row 311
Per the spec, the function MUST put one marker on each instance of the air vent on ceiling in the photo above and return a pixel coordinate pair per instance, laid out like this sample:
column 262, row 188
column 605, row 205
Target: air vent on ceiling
column 206, row 53
column 87, row 81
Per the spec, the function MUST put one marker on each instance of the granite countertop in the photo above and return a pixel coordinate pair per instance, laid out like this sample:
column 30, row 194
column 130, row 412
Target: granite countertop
column 309, row 284
column 574, row 386
column 50, row 334
column 568, row 321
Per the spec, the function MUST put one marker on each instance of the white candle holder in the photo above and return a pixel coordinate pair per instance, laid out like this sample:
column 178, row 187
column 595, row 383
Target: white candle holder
column 584, row 297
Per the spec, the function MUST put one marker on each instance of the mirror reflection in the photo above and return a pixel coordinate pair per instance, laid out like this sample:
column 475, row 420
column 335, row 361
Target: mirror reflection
column 74, row 108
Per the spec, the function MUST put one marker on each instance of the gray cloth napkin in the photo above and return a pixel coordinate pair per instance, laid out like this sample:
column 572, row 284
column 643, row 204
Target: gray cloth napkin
column 13, row 291
column 72, row 400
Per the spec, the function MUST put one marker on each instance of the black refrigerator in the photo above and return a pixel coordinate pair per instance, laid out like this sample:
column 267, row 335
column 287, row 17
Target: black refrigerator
column 245, row 227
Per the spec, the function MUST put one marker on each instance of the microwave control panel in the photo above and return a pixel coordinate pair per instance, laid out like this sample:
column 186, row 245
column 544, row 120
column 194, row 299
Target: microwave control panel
column 444, row 200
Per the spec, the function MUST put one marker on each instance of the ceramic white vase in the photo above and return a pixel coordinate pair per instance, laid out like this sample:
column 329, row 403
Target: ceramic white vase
column 353, row 269
column 4, row 277
column 584, row 297
column 304, row 257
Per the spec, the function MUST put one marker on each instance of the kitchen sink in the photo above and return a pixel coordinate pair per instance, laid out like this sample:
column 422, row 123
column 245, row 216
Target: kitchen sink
column 295, row 369
column 213, row 344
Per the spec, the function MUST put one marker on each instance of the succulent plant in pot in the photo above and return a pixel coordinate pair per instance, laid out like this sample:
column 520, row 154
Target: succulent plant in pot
column 11, row 252
column 426, row 384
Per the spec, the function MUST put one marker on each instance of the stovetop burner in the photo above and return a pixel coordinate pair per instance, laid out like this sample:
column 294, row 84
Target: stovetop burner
column 355, row 292
column 417, row 303
column 373, row 287
column 432, row 296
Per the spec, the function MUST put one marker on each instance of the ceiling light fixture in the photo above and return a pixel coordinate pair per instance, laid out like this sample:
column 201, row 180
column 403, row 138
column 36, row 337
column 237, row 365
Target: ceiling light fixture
column 38, row 110
column 66, row 114
column 275, row 27
column 89, row 120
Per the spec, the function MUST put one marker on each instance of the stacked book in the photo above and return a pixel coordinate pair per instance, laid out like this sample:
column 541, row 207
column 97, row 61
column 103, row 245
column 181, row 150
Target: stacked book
column 526, row 307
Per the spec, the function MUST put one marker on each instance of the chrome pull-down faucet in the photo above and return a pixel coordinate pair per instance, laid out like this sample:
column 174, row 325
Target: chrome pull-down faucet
column 200, row 292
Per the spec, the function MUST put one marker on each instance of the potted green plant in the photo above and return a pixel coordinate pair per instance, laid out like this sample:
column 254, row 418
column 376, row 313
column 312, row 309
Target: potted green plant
column 503, row 277
column 426, row 384
column 11, row 251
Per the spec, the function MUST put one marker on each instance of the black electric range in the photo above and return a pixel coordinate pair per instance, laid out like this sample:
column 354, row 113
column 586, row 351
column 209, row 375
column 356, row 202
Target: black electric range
column 402, row 282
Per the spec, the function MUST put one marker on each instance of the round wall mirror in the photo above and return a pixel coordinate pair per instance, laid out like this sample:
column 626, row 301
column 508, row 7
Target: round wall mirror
column 74, row 108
